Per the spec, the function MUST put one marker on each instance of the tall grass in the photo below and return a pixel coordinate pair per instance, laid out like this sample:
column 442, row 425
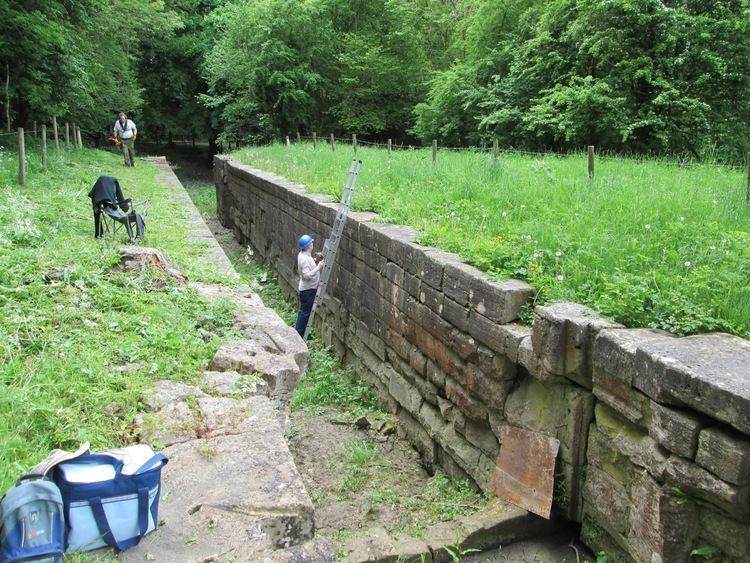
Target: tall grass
column 80, row 341
column 645, row 242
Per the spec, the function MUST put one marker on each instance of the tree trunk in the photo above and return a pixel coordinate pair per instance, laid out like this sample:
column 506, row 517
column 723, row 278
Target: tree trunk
column 7, row 96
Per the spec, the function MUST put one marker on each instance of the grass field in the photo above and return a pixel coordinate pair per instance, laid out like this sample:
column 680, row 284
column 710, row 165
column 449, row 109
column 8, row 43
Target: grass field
column 78, row 340
column 646, row 242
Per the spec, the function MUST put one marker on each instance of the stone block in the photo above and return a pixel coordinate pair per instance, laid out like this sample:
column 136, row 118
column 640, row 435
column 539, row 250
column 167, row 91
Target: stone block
column 622, row 397
column 631, row 441
column 279, row 370
column 724, row 453
column 418, row 436
column 501, row 302
column 435, row 374
column 465, row 403
column 530, row 361
column 607, row 501
column 480, row 434
column 431, row 298
column 395, row 274
column 501, row 524
column 456, row 314
column 417, row 361
column 486, row 385
column 707, row 372
column 165, row 392
column 598, row 539
column 413, row 285
column 413, row 257
column 563, row 337
column 433, row 264
column 562, row 411
column 209, row 505
column 173, row 424
column 487, row 332
column 449, row 362
column 701, row 484
column 661, row 524
column 499, row 365
column 405, row 394
column 615, row 349
column 429, row 320
column 676, row 430
column 716, row 530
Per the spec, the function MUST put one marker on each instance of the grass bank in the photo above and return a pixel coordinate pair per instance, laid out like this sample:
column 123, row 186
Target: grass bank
column 79, row 341
column 645, row 242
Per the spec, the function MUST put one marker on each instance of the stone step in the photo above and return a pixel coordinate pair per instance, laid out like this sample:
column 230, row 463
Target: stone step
column 498, row 524
column 231, row 495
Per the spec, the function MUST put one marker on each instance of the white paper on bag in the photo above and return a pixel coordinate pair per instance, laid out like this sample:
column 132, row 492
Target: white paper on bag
column 75, row 473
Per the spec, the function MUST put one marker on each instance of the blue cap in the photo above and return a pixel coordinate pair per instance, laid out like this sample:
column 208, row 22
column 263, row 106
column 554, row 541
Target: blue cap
column 305, row 241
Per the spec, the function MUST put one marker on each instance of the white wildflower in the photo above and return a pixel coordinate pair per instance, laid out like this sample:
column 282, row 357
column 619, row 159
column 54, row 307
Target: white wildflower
column 560, row 278
column 688, row 263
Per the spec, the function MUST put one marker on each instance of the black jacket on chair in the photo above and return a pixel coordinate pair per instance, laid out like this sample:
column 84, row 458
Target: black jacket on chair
column 107, row 191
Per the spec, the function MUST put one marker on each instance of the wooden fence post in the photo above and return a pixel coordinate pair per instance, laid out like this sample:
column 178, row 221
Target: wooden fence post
column 287, row 141
column 495, row 148
column 35, row 129
column 57, row 140
column 21, row 158
column 67, row 136
column 354, row 142
column 333, row 142
column 591, row 162
column 75, row 136
column 390, row 144
column 434, row 151
column 44, row 146
column 78, row 136
column 315, row 139
column 299, row 139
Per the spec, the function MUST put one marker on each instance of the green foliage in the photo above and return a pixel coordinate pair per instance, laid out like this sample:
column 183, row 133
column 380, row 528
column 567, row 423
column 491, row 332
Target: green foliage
column 281, row 65
column 80, row 341
column 639, row 76
column 74, row 59
column 327, row 383
column 646, row 242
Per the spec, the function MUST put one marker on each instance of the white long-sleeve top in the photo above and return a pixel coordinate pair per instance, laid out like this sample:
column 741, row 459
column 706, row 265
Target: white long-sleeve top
column 309, row 275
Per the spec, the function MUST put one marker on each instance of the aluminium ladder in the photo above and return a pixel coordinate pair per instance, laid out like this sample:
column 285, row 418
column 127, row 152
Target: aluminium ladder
column 331, row 245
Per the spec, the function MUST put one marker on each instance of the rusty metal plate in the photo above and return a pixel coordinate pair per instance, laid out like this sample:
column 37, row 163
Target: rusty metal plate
column 525, row 471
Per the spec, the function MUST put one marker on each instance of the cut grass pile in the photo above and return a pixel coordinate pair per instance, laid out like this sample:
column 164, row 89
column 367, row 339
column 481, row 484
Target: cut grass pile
column 646, row 242
column 80, row 341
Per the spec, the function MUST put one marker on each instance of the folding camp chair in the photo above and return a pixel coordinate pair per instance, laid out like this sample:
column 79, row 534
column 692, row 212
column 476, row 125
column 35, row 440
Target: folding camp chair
column 113, row 212
column 114, row 221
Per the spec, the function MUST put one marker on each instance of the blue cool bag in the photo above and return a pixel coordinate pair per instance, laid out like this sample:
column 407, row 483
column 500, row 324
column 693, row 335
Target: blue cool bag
column 31, row 522
column 107, row 500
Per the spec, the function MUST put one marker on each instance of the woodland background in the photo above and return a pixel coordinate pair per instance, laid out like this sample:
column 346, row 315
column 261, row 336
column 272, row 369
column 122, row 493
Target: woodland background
column 629, row 76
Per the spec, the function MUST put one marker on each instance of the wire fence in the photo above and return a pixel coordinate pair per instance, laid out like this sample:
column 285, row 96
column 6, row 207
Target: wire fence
column 42, row 139
column 496, row 151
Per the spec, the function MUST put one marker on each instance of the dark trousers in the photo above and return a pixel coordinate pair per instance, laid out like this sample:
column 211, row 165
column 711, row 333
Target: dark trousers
column 306, row 300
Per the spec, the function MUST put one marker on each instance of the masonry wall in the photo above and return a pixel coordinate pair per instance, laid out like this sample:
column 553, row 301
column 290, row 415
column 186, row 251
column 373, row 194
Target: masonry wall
column 654, row 430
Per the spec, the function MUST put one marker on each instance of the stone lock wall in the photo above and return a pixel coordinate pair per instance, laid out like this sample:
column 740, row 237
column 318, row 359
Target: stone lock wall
column 654, row 430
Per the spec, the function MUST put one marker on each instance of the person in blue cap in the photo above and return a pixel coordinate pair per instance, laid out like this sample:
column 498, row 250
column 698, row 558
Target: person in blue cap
column 309, row 278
